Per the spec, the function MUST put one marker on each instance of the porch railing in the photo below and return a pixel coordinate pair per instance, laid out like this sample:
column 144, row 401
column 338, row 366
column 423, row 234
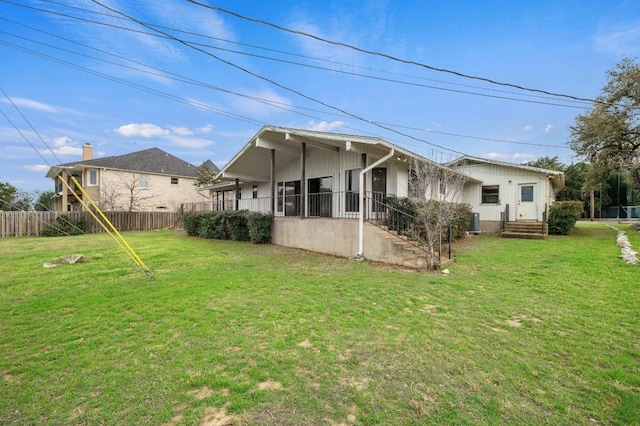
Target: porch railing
column 504, row 218
column 337, row 205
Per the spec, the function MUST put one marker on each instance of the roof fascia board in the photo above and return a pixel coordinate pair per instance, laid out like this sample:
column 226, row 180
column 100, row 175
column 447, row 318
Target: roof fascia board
column 244, row 177
column 262, row 142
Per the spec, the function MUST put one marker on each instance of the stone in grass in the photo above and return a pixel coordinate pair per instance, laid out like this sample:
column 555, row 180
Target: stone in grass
column 70, row 258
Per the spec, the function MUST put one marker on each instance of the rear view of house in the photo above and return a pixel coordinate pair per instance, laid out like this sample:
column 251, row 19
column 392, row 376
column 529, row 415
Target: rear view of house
column 506, row 192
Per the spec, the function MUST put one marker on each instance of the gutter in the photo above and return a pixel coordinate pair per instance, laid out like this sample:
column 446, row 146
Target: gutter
column 361, row 188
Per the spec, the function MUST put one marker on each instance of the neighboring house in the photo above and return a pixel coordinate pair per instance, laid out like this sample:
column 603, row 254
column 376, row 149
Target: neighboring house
column 148, row 180
column 505, row 190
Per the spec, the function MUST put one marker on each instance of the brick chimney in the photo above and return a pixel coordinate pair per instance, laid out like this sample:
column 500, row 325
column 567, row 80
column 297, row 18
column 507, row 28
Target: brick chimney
column 87, row 152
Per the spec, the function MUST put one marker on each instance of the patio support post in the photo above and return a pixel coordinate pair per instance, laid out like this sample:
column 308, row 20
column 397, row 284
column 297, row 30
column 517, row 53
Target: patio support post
column 363, row 173
column 65, row 200
column 273, row 182
column 303, row 187
column 237, row 197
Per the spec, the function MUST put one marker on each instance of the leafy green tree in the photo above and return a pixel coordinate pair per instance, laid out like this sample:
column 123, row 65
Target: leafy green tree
column 608, row 136
column 206, row 172
column 12, row 199
column 7, row 195
column 44, row 200
column 575, row 178
column 549, row 163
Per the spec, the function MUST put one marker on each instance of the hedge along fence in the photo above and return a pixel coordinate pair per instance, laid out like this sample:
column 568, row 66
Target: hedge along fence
column 563, row 216
column 233, row 225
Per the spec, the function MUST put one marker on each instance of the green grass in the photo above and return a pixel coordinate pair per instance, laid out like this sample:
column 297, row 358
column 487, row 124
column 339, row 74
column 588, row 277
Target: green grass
column 519, row 332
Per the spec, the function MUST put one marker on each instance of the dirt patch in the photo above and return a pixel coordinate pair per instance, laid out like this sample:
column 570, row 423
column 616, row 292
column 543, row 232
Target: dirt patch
column 429, row 309
column 305, row 344
column 217, row 417
column 270, row 385
column 202, row 393
column 514, row 322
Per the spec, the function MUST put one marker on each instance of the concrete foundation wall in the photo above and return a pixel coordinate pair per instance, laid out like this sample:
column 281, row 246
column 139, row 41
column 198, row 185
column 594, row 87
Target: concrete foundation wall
column 339, row 237
column 490, row 226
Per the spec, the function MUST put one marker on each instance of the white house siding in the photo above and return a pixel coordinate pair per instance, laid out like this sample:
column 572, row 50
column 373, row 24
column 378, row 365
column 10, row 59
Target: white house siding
column 325, row 163
column 507, row 179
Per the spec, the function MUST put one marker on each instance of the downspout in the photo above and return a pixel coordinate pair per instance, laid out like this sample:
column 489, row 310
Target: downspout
column 361, row 188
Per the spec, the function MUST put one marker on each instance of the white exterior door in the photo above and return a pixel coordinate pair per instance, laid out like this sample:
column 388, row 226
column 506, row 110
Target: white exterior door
column 527, row 206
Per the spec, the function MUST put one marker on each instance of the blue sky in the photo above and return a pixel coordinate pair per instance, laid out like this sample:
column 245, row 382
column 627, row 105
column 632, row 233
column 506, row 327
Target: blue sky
column 203, row 82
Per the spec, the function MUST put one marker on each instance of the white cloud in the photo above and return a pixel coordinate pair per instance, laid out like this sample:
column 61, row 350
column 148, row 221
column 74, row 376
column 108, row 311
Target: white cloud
column 189, row 142
column 548, row 128
column 37, row 168
column 182, row 131
column 620, row 39
column 324, row 126
column 205, row 129
column 63, row 146
column 509, row 157
column 145, row 130
column 31, row 104
column 527, row 127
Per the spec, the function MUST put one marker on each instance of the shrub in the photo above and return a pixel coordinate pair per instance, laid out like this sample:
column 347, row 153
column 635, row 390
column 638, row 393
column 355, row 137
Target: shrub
column 214, row 225
column 563, row 216
column 191, row 222
column 237, row 226
column 229, row 225
column 64, row 226
column 397, row 219
column 259, row 227
column 462, row 221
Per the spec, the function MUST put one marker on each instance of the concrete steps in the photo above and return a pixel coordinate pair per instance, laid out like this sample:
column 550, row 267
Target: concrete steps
column 527, row 230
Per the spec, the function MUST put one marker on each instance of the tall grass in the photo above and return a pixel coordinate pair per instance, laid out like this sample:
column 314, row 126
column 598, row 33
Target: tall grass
column 519, row 332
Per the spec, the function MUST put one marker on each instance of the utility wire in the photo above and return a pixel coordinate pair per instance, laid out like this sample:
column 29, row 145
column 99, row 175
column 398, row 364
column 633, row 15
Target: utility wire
column 385, row 55
column 308, row 57
column 188, row 80
column 281, row 86
column 298, row 55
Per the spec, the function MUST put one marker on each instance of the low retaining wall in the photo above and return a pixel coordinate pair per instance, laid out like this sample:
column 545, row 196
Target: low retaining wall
column 339, row 237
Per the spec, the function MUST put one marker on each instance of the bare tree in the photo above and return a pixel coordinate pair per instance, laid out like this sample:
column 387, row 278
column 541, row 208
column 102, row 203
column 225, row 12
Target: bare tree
column 133, row 192
column 437, row 189
column 124, row 193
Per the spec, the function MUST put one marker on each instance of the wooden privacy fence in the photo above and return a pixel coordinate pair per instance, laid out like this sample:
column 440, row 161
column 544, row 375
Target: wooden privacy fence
column 24, row 224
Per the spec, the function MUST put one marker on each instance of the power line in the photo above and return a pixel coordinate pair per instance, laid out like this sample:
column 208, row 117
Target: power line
column 274, row 104
column 385, row 55
column 297, row 55
column 288, row 89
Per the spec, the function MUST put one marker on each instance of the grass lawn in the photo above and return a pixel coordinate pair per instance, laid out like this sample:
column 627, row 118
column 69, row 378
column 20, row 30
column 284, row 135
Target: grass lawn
column 519, row 332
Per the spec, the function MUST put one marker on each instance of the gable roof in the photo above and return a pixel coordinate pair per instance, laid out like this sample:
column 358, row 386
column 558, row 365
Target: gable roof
column 152, row 160
column 556, row 176
column 468, row 159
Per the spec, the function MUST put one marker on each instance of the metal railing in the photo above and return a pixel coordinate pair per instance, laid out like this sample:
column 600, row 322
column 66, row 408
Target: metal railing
column 504, row 218
column 337, row 205
column 395, row 221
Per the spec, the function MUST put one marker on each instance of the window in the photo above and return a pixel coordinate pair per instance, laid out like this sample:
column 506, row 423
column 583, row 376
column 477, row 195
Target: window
column 320, row 202
column 352, row 190
column 174, row 181
column 93, row 177
column 526, row 193
column 144, row 181
column 289, row 197
column 490, row 194
column 443, row 186
column 254, row 191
